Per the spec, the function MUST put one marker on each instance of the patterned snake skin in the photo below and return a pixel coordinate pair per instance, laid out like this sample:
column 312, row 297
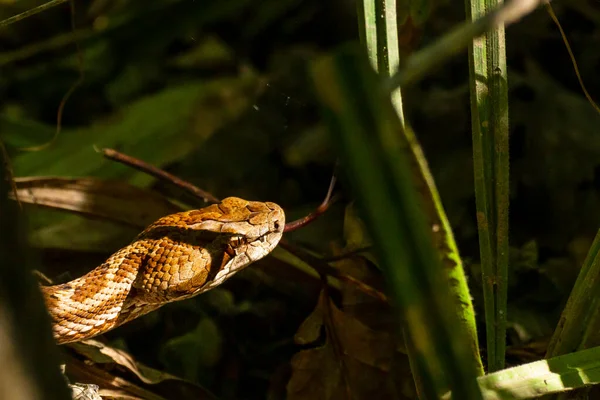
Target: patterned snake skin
column 175, row 258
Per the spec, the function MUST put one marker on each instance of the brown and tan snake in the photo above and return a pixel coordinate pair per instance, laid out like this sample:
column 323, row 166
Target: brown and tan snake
column 177, row 257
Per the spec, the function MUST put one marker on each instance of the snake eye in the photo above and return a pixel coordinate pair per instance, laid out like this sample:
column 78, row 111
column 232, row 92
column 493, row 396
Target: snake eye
column 276, row 225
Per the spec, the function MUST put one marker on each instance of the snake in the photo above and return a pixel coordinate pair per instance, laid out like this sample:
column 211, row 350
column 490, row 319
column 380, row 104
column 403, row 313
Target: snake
column 177, row 257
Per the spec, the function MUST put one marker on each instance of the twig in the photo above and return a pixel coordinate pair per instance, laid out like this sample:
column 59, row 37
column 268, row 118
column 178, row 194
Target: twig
column 323, row 268
column 204, row 195
column 158, row 173
column 346, row 255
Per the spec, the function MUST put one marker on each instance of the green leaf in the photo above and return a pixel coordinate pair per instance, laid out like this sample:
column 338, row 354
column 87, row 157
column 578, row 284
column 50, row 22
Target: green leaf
column 542, row 377
column 194, row 352
column 368, row 133
column 176, row 121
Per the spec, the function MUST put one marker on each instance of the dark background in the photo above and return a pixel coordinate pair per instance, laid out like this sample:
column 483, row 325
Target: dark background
column 217, row 93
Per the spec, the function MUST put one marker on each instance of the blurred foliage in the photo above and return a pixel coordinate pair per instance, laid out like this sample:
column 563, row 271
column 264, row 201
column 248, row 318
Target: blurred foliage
column 216, row 92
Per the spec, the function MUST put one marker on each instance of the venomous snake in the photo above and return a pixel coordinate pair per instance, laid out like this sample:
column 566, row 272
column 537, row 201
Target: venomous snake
column 177, row 257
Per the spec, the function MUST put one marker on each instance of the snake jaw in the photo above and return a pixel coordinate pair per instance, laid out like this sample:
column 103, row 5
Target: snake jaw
column 256, row 243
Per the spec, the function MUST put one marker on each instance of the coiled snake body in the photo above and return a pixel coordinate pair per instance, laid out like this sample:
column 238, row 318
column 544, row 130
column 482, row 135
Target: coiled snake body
column 177, row 257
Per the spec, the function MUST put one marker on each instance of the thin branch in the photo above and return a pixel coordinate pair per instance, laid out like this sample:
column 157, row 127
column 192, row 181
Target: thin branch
column 204, row 195
column 158, row 173
column 325, row 269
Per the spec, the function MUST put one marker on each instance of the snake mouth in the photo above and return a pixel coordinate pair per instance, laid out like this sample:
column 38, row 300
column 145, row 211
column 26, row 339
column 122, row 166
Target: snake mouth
column 268, row 240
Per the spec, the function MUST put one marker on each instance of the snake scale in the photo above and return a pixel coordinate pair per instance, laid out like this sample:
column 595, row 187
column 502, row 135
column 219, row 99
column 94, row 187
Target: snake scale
column 177, row 257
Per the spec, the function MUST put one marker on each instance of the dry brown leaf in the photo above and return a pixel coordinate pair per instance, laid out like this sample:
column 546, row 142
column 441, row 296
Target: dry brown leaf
column 112, row 385
column 353, row 363
column 112, row 200
column 375, row 314
column 100, row 353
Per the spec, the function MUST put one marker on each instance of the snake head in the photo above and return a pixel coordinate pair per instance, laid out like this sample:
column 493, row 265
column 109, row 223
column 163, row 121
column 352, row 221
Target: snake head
column 194, row 251
column 255, row 227
column 247, row 231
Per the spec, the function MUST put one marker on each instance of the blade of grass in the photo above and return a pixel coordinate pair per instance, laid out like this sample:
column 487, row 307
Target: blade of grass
column 379, row 33
column 369, row 135
column 446, row 247
column 27, row 349
column 423, row 62
column 556, row 375
column 580, row 320
column 378, row 30
column 489, row 120
column 31, row 12
column 381, row 43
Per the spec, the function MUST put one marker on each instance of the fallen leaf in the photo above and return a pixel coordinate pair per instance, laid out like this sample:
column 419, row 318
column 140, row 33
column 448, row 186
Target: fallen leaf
column 100, row 353
column 109, row 200
column 354, row 362
column 95, row 363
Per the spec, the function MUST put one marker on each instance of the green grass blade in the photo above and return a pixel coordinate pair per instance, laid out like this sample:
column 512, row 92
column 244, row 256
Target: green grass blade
column 457, row 40
column 30, row 12
column 556, row 375
column 447, row 249
column 367, row 28
column 489, row 120
column 379, row 35
column 380, row 38
column 579, row 323
column 369, row 135
column 378, row 30
column 29, row 352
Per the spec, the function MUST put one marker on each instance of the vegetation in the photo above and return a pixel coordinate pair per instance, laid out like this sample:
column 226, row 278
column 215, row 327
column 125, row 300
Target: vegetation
column 437, row 271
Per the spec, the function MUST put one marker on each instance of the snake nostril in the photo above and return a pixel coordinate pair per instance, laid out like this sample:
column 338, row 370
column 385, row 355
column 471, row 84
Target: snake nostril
column 276, row 225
